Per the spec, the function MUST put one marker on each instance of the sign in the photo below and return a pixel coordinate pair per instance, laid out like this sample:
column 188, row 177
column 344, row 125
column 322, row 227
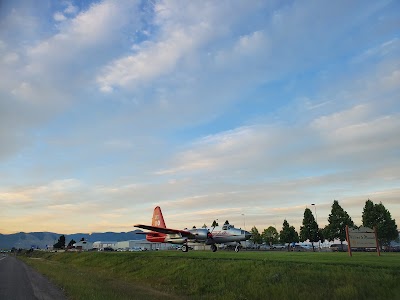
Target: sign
column 362, row 237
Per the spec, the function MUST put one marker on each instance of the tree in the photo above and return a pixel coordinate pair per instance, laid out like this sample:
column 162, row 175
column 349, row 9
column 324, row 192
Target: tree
column 338, row 219
column 204, row 226
column 309, row 230
column 288, row 234
column 226, row 222
column 61, row 243
column 214, row 224
column 321, row 234
column 72, row 242
column 256, row 236
column 378, row 216
column 368, row 215
column 270, row 235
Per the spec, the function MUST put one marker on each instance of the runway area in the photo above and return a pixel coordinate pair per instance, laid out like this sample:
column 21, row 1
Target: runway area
column 19, row 281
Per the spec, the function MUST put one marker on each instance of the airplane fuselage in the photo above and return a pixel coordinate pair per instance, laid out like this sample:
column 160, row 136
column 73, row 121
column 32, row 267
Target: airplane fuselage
column 220, row 235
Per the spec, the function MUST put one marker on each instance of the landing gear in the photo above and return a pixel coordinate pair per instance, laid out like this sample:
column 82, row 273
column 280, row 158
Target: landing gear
column 213, row 248
column 238, row 246
column 185, row 248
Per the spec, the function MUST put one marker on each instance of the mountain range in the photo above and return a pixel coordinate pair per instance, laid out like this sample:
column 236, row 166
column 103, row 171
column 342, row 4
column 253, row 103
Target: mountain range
column 43, row 239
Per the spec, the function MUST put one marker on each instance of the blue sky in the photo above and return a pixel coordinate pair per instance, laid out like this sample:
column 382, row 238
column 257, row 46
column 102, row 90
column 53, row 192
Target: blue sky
column 238, row 110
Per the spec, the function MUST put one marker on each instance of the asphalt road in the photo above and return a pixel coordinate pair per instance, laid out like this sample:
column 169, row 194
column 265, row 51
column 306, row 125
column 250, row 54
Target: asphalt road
column 19, row 281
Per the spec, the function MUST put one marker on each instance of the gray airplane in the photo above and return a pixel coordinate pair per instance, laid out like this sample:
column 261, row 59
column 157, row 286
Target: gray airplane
column 227, row 234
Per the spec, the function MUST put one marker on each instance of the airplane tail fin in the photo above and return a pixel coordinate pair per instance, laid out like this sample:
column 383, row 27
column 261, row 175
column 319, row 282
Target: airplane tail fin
column 158, row 219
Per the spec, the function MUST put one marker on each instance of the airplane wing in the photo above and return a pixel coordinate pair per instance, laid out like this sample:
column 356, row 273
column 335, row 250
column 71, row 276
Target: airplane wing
column 152, row 233
column 165, row 230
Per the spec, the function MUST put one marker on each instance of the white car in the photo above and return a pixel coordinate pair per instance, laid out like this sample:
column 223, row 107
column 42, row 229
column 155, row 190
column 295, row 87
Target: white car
column 309, row 247
column 279, row 246
column 135, row 249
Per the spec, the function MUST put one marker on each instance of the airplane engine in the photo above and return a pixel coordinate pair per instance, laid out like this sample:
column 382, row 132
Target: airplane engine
column 200, row 234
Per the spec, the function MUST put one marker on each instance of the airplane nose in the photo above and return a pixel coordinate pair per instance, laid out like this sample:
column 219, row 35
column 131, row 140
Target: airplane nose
column 247, row 235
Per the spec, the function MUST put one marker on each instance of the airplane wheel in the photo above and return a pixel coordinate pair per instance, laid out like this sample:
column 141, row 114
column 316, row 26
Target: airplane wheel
column 184, row 248
column 213, row 248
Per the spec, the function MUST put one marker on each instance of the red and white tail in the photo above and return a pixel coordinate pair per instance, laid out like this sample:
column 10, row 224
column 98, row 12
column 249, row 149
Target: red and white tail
column 158, row 219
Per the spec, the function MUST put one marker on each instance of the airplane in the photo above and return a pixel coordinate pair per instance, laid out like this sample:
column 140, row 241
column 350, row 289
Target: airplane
column 227, row 234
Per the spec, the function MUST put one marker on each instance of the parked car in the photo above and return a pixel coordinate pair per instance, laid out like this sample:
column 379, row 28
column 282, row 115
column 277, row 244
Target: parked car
column 297, row 248
column 338, row 247
column 135, row 249
column 265, row 247
column 309, row 247
column 279, row 246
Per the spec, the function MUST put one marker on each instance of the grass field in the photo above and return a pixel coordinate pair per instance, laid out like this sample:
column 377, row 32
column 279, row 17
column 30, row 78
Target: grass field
column 222, row 275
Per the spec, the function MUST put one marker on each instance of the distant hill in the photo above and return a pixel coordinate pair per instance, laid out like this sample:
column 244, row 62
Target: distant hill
column 43, row 239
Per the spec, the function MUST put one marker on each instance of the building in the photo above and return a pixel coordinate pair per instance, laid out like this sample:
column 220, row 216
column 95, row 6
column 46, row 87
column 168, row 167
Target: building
column 99, row 245
column 142, row 244
column 83, row 245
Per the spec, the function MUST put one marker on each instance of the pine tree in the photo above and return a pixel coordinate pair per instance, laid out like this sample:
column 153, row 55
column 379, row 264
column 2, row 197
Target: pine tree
column 378, row 216
column 368, row 216
column 60, row 243
column 338, row 219
column 71, row 243
column 214, row 224
column 309, row 230
column 288, row 234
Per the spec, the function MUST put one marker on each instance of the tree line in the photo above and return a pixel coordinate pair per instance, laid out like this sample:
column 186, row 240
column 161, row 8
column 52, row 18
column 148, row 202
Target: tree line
column 374, row 215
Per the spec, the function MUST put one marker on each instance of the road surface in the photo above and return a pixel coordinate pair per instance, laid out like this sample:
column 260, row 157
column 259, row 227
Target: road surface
column 19, row 281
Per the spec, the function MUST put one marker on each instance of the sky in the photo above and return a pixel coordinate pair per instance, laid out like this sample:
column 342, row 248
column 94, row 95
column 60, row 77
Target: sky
column 247, row 111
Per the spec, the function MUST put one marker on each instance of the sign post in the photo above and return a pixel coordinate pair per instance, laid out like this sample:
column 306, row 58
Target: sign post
column 377, row 243
column 348, row 241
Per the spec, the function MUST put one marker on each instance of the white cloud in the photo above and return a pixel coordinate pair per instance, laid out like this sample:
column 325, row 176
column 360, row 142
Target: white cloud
column 182, row 33
column 354, row 115
column 43, row 74
column 92, row 28
column 23, row 91
column 70, row 9
column 388, row 47
column 59, row 17
column 157, row 60
column 11, row 58
column 151, row 60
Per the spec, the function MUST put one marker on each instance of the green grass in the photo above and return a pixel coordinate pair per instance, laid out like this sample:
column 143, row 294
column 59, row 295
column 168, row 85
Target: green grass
column 222, row 275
